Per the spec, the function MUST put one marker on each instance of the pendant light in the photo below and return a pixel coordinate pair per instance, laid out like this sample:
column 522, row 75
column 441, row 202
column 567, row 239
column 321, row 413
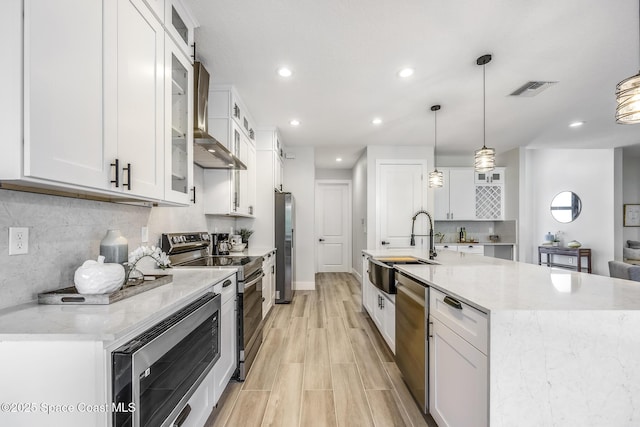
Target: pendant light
column 436, row 178
column 628, row 95
column 485, row 158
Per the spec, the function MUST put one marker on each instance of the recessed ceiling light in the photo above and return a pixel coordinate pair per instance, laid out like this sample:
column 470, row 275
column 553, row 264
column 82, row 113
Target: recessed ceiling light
column 406, row 72
column 576, row 124
column 377, row 121
column 211, row 150
column 285, row 72
column 338, row 159
column 231, row 164
column 294, row 122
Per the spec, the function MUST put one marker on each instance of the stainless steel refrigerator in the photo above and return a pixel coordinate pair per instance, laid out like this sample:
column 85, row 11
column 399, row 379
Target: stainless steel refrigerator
column 284, row 211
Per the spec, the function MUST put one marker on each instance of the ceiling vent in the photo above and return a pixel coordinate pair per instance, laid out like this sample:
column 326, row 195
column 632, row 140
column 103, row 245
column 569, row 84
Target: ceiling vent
column 530, row 89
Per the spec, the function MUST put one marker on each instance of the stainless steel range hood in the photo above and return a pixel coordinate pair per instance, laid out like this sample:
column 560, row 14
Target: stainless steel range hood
column 208, row 152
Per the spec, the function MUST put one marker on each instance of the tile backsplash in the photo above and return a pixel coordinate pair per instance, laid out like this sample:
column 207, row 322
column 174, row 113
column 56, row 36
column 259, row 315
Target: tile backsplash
column 64, row 232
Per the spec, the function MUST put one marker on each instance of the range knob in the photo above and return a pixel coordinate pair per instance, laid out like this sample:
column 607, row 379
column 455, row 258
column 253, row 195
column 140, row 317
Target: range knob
column 174, row 239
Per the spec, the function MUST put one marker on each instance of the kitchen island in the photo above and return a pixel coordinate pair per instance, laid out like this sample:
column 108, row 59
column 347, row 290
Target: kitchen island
column 563, row 346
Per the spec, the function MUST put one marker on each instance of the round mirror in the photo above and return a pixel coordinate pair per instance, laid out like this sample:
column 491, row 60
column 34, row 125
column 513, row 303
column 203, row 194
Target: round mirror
column 566, row 206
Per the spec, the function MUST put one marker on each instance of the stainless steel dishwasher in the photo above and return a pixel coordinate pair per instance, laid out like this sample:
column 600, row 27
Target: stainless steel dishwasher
column 412, row 350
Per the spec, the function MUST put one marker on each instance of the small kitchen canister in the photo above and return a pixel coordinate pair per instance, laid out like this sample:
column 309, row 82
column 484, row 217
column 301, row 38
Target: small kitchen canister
column 114, row 247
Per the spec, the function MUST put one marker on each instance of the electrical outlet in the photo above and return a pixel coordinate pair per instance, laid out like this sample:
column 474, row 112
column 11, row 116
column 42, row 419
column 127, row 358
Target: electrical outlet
column 144, row 234
column 18, row 240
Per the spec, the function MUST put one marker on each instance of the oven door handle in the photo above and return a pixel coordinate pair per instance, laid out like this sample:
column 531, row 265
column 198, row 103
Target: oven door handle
column 252, row 283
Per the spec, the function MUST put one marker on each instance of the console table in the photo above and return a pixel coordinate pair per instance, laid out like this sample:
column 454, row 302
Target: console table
column 577, row 253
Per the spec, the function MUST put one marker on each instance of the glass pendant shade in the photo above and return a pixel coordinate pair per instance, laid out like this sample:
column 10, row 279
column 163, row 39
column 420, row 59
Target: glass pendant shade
column 436, row 179
column 628, row 100
column 485, row 159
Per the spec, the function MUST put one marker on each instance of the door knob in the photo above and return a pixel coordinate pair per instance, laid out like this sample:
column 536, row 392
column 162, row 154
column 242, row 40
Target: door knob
column 320, row 240
column 385, row 243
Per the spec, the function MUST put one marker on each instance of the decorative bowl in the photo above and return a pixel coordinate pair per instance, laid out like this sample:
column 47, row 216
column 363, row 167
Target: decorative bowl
column 574, row 244
column 238, row 248
column 98, row 277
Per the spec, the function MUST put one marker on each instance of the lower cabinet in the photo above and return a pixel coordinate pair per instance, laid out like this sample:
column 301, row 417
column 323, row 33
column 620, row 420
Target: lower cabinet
column 458, row 369
column 227, row 364
column 380, row 306
column 268, row 282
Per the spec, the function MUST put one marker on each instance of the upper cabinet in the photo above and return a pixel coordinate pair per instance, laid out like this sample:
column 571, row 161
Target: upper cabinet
column 179, row 25
column 469, row 195
column 99, row 106
column 179, row 124
column 231, row 192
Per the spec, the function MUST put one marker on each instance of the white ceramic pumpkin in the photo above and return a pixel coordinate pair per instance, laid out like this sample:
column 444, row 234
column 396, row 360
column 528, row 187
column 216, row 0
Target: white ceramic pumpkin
column 98, row 277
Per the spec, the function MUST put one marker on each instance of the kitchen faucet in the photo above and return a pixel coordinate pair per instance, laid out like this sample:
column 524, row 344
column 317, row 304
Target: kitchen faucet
column 432, row 252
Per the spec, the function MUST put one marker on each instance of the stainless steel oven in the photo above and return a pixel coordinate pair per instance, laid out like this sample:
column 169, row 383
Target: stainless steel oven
column 155, row 374
column 192, row 250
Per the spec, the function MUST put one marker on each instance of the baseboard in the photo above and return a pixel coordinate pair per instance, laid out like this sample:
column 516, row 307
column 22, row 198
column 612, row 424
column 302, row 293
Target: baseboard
column 357, row 274
column 305, row 286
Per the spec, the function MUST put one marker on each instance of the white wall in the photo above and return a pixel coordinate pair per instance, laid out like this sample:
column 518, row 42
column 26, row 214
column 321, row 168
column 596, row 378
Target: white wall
column 334, row 174
column 589, row 174
column 359, row 227
column 379, row 152
column 299, row 179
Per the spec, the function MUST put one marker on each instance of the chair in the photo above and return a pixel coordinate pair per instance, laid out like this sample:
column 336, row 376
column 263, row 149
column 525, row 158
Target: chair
column 623, row 270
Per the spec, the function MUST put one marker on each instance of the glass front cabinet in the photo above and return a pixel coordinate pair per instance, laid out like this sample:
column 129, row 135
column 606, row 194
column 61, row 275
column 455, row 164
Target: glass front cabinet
column 179, row 120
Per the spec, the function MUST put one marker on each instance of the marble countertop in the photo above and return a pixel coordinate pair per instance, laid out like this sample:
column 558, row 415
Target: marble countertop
column 493, row 284
column 474, row 243
column 111, row 322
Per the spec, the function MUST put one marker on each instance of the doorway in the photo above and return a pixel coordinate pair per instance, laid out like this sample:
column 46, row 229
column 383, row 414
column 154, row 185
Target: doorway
column 333, row 226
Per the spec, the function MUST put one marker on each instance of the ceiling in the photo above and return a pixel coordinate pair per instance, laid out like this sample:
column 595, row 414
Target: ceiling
column 346, row 54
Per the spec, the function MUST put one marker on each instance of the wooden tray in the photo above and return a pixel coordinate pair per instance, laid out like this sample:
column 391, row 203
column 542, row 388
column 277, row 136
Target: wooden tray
column 70, row 295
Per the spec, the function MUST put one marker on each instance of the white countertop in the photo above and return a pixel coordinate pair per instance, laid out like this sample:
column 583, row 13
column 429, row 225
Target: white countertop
column 475, row 244
column 111, row 322
column 493, row 284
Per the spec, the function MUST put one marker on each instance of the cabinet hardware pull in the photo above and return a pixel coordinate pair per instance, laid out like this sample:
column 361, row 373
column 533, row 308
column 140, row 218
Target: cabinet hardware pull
column 128, row 169
column 453, row 302
column 194, row 50
column 194, row 194
column 273, row 269
column 385, row 243
column 183, row 416
column 430, row 329
column 226, row 283
column 320, row 240
column 116, row 165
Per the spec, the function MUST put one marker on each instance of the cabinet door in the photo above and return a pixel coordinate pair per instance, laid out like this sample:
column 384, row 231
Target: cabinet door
column 458, row 379
column 63, row 112
column 226, row 365
column 441, row 198
column 267, row 286
column 367, row 301
column 378, row 310
column 277, row 171
column 178, row 25
column 462, row 194
column 178, row 125
column 389, row 323
column 251, row 179
column 134, row 89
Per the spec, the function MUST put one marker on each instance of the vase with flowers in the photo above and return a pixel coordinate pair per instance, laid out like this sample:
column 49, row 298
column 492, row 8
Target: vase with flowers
column 133, row 274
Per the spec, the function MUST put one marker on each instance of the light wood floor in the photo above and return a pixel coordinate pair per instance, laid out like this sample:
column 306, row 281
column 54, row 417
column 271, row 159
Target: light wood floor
column 322, row 363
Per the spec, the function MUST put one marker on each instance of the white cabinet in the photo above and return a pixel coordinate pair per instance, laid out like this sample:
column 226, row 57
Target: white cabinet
column 380, row 306
column 458, row 363
column 268, row 282
column 179, row 24
column 58, row 145
column 225, row 366
column 102, row 131
column 471, row 249
column 469, row 195
column 455, row 200
column 231, row 193
column 495, row 176
column 133, row 95
column 178, row 125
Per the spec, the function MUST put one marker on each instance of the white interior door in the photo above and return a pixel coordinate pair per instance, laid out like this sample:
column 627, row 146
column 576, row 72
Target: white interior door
column 400, row 192
column 333, row 226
